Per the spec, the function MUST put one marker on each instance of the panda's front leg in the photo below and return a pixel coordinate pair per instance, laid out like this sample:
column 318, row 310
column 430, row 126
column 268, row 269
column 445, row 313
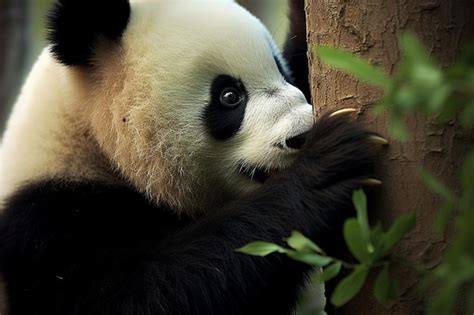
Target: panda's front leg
column 198, row 271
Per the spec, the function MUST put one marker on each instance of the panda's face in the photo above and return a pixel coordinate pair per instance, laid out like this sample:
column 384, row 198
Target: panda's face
column 202, row 110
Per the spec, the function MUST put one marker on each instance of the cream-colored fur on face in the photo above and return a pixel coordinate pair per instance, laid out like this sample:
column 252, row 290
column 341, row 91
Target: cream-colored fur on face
column 139, row 112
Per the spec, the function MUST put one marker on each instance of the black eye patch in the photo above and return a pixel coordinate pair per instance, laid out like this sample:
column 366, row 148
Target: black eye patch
column 224, row 121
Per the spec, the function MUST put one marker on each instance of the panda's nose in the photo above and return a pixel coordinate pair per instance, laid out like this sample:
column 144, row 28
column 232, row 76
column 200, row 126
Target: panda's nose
column 296, row 142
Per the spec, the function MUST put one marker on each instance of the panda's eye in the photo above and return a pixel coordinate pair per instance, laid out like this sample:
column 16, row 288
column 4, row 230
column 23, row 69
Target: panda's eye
column 230, row 97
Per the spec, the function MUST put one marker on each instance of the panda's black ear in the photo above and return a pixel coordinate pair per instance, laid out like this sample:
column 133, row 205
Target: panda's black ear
column 75, row 26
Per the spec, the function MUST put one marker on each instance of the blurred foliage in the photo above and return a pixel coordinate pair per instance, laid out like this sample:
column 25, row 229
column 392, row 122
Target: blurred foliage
column 421, row 86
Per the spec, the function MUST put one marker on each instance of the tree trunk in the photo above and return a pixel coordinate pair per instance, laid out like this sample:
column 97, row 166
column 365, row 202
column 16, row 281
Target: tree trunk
column 14, row 38
column 370, row 28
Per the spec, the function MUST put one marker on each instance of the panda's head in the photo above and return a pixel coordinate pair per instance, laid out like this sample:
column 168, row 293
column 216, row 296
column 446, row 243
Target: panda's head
column 191, row 100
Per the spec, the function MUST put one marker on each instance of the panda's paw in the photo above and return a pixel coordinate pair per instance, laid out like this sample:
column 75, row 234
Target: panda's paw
column 344, row 111
column 339, row 149
column 371, row 182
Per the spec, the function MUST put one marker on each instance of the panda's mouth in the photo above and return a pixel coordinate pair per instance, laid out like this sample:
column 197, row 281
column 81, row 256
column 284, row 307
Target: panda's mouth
column 257, row 173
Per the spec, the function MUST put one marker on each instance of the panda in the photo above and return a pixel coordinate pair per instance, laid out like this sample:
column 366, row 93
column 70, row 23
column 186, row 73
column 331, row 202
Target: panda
column 150, row 141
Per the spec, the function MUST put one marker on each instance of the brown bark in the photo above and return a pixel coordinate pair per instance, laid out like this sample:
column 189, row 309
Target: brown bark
column 13, row 51
column 370, row 28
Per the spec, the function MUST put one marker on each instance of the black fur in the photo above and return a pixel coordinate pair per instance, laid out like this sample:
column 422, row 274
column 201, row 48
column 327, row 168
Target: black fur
column 223, row 122
column 296, row 47
column 75, row 26
column 89, row 248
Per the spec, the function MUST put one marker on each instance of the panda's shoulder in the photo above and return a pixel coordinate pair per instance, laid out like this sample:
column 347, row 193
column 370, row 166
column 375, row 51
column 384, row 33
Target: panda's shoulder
column 64, row 196
column 74, row 211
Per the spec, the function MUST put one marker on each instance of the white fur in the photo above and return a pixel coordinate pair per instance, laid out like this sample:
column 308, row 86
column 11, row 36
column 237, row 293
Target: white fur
column 47, row 133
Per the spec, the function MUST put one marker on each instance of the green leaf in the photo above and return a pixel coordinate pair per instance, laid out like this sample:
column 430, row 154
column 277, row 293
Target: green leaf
column 301, row 243
column 381, row 107
column 437, row 187
column 402, row 226
column 376, row 233
column 446, row 194
column 448, row 113
column 413, row 49
column 384, row 288
column 311, row 258
column 261, row 249
column 376, row 238
column 442, row 217
column 438, row 98
column 406, row 98
column 354, row 65
column 350, row 286
column 393, row 291
column 426, row 75
column 444, row 299
column 360, row 202
column 398, row 129
column 328, row 273
column 355, row 241
column 467, row 117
